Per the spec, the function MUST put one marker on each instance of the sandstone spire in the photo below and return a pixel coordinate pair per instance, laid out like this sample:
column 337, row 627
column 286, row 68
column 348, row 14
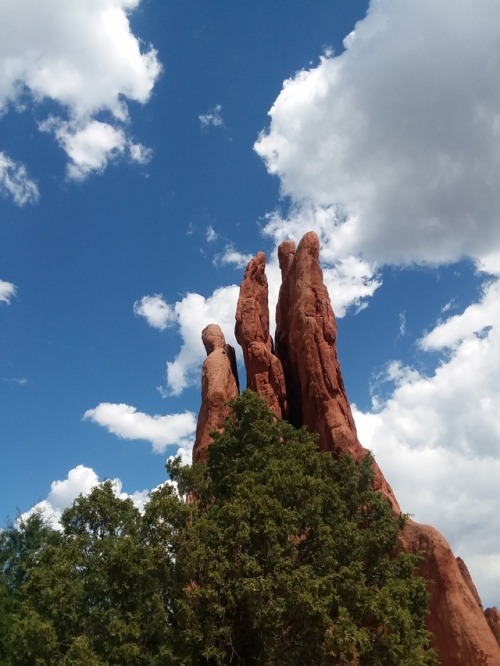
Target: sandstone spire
column 306, row 344
column 264, row 371
column 306, row 334
column 219, row 383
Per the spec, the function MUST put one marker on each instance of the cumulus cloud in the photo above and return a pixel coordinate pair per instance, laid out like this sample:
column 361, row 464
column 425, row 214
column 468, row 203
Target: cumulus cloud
column 162, row 431
column 7, row 291
column 212, row 118
column 476, row 321
column 80, row 481
column 155, row 311
column 398, row 135
column 232, row 257
column 15, row 182
column 84, row 58
column 437, row 437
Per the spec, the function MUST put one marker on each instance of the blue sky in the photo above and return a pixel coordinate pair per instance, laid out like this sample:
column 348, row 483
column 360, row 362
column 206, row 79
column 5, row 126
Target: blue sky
column 148, row 148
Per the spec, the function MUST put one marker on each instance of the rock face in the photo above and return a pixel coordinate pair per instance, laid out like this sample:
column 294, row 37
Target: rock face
column 493, row 618
column 306, row 335
column 219, row 383
column 456, row 619
column 303, row 383
column 264, row 370
column 468, row 579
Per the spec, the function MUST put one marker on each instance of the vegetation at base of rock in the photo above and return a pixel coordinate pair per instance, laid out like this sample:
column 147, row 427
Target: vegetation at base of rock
column 270, row 553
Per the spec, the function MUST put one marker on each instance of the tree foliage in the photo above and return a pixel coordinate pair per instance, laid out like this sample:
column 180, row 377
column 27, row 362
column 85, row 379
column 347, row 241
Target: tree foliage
column 270, row 553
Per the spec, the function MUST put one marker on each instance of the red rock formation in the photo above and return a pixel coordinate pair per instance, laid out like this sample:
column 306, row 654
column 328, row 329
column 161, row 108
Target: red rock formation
column 306, row 346
column 456, row 619
column 219, row 383
column 264, row 371
column 493, row 619
column 306, row 335
column 468, row 579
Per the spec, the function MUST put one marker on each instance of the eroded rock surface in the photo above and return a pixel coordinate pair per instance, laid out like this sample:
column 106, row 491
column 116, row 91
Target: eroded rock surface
column 468, row 579
column 306, row 345
column 493, row 619
column 264, row 370
column 306, row 335
column 219, row 383
column 456, row 619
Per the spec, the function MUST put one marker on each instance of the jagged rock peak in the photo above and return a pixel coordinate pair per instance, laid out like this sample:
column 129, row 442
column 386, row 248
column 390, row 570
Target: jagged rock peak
column 264, row 371
column 493, row 618
column 219, row 384
column 306, row 344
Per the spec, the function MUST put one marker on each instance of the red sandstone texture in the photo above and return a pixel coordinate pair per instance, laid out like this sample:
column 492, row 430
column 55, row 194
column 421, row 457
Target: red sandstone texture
column 264, row 371
column 306, row 335
column 456, row 619
column 219, row 383
column 315, row 397
column 468, row 579
column 493, row 618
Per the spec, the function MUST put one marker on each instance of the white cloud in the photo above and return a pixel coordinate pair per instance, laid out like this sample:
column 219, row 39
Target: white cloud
column 475, row 321
column 139, row 153
column 161, row 430
column 212, row 118
column 89, row 147
column 232, row 257
column 402, row 324
column 83, row 57
column 15, row 182
column 20, row 381
column 437, row 437
column 400, row 133
column 195, row 312
column 350, row 281
column 7, row 291
column 80, row 481
column 156, row 311
column 185, row 453
column 211, row 234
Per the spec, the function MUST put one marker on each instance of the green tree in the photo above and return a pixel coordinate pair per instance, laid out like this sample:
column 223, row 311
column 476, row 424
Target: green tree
column 94, row 593
column 288, row 556
column 21, row 548
column 270, row 553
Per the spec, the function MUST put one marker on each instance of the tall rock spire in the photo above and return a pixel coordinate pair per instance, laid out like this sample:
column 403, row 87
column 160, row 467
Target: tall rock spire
column 264, row 371
column 219, row 383
column 306, row 344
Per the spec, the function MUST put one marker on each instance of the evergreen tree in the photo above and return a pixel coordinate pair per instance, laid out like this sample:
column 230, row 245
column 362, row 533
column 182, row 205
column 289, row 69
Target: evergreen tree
column 92, row 594
column 288, row 556
column 270, row 553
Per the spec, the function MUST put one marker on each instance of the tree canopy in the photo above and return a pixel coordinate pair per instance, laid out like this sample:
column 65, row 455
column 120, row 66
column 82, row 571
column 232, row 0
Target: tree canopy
column 270, row 553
